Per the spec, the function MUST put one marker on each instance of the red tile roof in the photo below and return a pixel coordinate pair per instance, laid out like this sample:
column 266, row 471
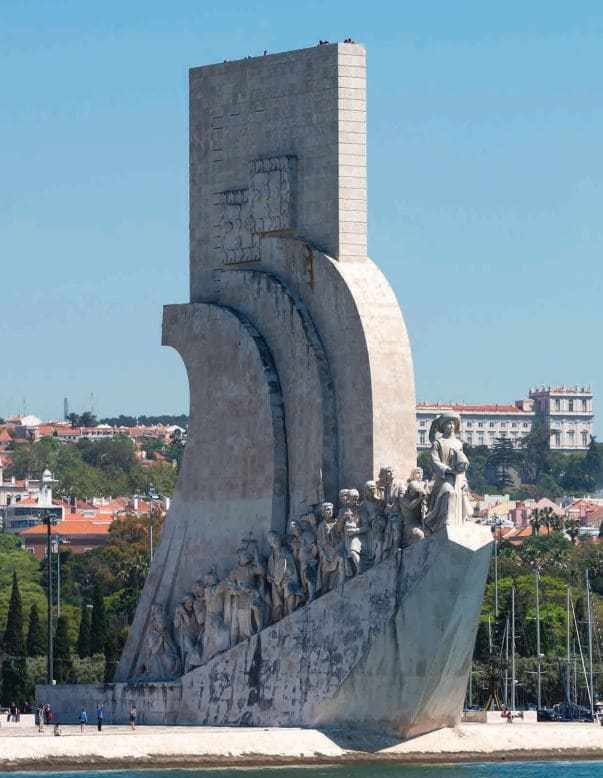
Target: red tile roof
column 69, row 528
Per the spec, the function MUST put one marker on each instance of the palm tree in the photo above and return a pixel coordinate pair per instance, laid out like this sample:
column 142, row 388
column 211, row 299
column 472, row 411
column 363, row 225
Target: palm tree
column 572, row 529
column 536, row 521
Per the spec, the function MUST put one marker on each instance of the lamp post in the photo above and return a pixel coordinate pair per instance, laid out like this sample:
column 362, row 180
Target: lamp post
column 152, row 496
column 58, row 542
column 49, row 520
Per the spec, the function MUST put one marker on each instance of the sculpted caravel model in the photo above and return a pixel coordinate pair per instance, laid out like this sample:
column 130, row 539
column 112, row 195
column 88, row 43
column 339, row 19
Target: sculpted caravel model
column 306, row 574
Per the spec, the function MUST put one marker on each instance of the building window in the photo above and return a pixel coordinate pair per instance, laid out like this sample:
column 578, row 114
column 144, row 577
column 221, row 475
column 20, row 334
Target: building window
column 584, row 436
column 470, row 438
column 480, row 423
column 491, row 437
column 513, row 424
column 469, row 424
column 422, row 437
column 570, row 405
column 480, row 438
column 557, row 405
column 491, row 425
column 584, row 405
column 526, row 424
column 421, row 423
column 503, row 425
column 556, row 439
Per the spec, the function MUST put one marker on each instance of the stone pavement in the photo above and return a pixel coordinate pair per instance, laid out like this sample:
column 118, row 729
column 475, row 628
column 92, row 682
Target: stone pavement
column 22, row 747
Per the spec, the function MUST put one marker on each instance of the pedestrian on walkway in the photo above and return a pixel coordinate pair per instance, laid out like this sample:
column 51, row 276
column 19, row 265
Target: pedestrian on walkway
column 40, row 717
column 100, row 714
column 133, row 716
column 83, row 720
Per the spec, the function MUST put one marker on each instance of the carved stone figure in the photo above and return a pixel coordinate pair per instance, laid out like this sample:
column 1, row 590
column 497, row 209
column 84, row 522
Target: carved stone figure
column 411, row 505
column 244, row 607
column 199, row 606
column 186, row 633
column 371, row 515
column 354, row 534
column 281, row 574
column 392, row 489
column 216, row 635
column 331, row 569
column 305, row 553
column 448, row 501
column 164, row 661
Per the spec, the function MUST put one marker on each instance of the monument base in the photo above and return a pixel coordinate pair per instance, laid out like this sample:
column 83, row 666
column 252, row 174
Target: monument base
column 356, row 657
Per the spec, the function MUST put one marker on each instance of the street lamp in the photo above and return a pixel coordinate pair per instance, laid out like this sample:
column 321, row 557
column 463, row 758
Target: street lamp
column 152, row 496
column 58, row 542
column 50, row 521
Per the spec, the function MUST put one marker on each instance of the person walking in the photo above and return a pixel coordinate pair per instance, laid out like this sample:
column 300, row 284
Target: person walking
column 83, row 717
column 100, row 714
column 40, row 717
column 133, row 716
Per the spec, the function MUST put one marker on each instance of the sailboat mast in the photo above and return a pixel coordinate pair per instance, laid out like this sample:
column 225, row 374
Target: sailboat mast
column 590, row 646
column 507, row 662
column 512, row 648
column 538, row 652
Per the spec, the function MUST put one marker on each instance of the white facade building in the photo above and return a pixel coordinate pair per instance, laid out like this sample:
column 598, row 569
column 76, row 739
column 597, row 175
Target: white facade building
column 566, row 411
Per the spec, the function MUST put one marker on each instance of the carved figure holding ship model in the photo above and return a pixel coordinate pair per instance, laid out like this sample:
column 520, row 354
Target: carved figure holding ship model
column 449, row 501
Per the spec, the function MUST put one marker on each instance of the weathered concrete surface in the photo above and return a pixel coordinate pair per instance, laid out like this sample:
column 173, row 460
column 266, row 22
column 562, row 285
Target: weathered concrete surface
column 388, row 652
column 118, row 747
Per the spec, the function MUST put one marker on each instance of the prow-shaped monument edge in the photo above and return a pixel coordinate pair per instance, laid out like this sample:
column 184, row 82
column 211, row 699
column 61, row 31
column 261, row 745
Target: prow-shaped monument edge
column 304, row 560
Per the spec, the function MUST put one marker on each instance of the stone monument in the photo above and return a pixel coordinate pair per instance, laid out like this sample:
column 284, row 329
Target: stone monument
column 306, row 574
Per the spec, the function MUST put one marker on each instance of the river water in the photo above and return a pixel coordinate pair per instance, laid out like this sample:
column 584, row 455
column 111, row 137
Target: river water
column 470, row 770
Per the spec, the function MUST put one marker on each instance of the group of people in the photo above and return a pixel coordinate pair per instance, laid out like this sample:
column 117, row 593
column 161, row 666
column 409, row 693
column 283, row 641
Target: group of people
column 320, row 551
column 100, row 717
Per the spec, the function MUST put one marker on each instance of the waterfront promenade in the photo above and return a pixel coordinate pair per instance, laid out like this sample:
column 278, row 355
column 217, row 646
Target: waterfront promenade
column 23, row 747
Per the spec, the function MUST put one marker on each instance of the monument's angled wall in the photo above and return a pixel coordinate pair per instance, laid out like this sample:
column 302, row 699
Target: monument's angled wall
column 389, row 652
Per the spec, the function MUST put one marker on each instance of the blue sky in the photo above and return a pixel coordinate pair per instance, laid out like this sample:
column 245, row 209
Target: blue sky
column 485, row 187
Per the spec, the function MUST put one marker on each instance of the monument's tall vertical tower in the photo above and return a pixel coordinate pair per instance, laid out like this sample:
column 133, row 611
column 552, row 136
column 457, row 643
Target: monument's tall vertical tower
column 301, row 384
column 299, row 364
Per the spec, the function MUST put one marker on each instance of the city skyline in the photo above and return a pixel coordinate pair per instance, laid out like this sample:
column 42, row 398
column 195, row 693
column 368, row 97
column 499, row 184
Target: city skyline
column 484, row 190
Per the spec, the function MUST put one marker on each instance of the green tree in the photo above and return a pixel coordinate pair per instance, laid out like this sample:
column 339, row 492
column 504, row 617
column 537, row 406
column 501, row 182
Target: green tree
column 88, row 419
column 592, row 466
column 572, row 528
column 113, row 648
column 74, row 419
column 36, row 637
column 98, row 627
column 501, row 461
column 13, row 667
column 83, row 639
column 534, row 455
column 62, row 653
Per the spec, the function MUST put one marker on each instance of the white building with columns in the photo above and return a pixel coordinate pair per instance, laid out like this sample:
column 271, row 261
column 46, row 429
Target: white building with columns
column 566, row 411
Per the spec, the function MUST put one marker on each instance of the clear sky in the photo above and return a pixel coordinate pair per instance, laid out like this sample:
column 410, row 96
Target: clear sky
column 485, row 141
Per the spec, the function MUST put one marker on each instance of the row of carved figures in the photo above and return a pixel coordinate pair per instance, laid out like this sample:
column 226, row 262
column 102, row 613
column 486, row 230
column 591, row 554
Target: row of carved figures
column 322, row 549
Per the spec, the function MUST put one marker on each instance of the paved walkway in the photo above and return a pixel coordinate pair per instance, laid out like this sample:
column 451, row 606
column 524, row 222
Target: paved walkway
column 23, row 747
